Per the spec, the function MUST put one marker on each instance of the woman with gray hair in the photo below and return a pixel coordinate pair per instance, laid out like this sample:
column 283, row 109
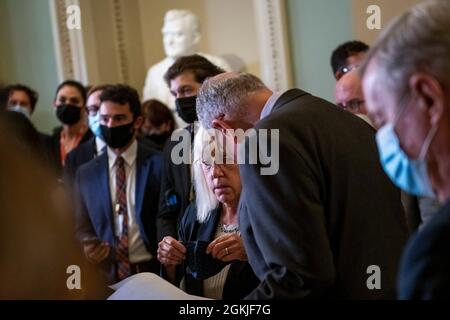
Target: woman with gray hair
column 210, row 253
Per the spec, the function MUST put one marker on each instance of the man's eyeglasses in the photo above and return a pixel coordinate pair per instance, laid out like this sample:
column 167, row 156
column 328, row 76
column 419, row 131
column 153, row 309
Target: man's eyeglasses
column 92, row 110
column 352, row 105
column 345, row 69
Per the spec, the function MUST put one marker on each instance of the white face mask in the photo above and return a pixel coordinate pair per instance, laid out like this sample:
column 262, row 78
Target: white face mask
column 20, row 109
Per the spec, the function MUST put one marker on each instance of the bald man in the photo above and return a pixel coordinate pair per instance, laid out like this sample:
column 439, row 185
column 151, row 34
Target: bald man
column 348, row 93
column 349, row 96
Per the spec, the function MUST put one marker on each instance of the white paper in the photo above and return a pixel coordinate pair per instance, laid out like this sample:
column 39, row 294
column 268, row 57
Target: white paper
column 148, row 286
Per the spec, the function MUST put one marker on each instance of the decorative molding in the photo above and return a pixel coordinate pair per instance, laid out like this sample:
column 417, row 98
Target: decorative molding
column 56, row 40
column 69, row 46
column 120, row 41
column 273, row 44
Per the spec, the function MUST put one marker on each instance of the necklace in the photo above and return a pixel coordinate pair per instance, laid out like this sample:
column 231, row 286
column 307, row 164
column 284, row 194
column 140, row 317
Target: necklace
column 228, row 228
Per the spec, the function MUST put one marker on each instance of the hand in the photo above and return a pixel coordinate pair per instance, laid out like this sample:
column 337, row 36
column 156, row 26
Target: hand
column 171, row 251
column 227, row 248
column 96, row 253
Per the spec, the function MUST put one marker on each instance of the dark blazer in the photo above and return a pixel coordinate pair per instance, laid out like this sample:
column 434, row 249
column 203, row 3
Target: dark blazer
column 330, row 212
column 424, row 270
column 94, row 212
column 175, row 192
column 53, row 146
column 241, row 279
column 82, row 154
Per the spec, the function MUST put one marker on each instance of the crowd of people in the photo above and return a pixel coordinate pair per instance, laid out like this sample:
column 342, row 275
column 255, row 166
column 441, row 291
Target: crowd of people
column 361, row 185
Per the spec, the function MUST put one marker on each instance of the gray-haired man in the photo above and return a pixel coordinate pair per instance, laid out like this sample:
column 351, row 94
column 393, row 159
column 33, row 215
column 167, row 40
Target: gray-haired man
column 406, row 80
column 316, row 228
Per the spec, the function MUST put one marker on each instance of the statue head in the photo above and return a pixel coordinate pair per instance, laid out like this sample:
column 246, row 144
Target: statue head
column 180, row 33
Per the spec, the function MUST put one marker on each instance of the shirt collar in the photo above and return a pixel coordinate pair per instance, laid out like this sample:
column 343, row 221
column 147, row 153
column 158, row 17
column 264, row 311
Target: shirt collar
column 269, row 105
column 129, row 155
column 99, row 145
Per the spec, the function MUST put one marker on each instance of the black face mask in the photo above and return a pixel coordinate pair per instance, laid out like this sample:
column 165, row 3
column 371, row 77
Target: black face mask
column 198, row 263
column 186, row 109
column 68, row 114
column 118, row 137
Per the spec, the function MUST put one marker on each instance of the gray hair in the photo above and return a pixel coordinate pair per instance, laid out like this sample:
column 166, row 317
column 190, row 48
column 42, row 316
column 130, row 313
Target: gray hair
column 175, row 14
column 205, row 199
column 226, row 96
column 418, row 40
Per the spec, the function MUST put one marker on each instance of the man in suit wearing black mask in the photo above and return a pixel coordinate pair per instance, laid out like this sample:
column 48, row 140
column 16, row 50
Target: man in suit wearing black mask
column 116, row 194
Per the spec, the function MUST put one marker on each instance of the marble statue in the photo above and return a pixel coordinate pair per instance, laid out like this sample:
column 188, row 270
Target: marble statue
column 181, row 37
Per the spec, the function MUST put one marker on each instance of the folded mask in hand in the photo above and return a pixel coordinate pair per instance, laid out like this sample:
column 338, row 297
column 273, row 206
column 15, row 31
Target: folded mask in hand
column 200, row 264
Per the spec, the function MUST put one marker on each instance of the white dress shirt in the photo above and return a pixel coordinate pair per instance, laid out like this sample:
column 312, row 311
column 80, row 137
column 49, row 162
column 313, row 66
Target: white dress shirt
column 99, row 146
column 136, row 248
column 267, row 109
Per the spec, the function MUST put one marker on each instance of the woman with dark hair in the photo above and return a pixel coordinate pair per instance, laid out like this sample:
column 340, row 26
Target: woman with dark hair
column 159, row 123
column 70, row 106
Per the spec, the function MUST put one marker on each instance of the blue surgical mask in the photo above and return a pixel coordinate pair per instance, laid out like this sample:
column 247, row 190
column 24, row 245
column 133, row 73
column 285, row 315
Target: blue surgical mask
column 20, row 109
column 409, row 175
column 94, row 125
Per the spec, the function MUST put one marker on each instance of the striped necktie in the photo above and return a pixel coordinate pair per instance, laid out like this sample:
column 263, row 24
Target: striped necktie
column 122, row 258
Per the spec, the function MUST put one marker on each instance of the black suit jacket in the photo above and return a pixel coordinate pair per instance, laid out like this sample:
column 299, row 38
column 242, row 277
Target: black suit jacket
column 53, row 145
column 82, row 154
column 241, row 279
column 424, row 271
column 330, row 212
column 94, row 212
column 175, row 191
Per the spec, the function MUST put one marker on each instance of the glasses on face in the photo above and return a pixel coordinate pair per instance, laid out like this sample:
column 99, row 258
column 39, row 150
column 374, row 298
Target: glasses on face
column 225, row 161
column 92, row 110
column 353, row 105
column 345, row 69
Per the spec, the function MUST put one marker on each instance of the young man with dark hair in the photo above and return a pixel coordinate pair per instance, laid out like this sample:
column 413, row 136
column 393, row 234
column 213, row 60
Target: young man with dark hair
column 200, row 67
column 347, row 56
column 116, row 194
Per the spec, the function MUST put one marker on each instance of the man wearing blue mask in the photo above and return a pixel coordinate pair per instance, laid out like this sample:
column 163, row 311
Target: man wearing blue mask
column 21, row 99
column 90, row 149
column 406, row 81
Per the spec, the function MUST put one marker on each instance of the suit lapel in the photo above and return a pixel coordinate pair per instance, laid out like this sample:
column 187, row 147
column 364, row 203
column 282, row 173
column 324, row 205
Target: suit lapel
column 208, row 230
column 103, row 188
column 142, row 171
column 92, row 149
